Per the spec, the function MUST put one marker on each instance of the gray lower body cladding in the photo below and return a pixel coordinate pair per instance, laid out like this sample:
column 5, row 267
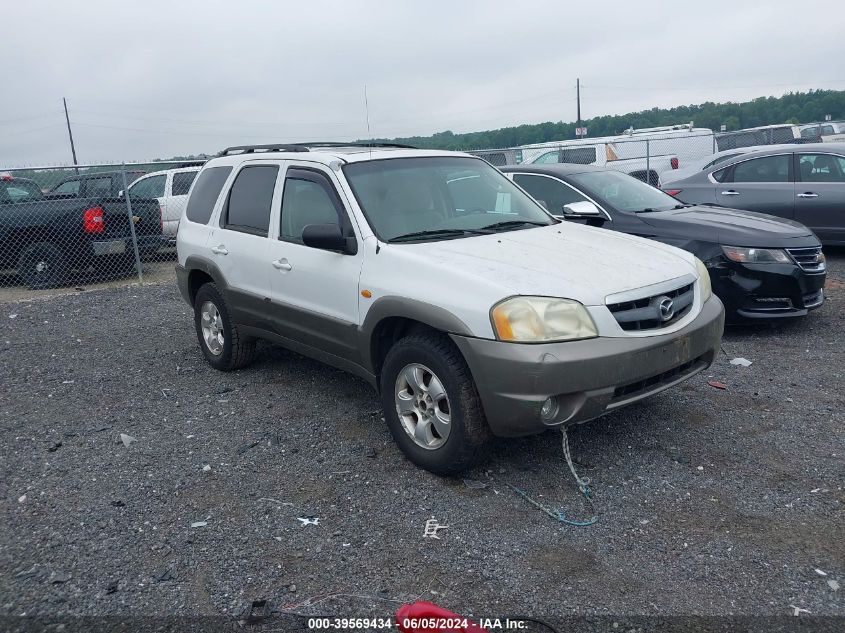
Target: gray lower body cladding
column 587, row 378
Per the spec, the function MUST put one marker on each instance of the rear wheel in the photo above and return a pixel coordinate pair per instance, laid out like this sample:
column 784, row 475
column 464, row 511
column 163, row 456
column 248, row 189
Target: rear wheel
column 222, row 344
column 42, row 265
column 431, row 405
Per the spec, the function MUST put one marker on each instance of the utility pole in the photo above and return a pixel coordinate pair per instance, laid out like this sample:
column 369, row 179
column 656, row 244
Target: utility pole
column 70, row 134
column 578, row 99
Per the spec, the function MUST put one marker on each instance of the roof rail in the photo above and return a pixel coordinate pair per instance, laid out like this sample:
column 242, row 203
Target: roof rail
column 355, row 144
column 251, row 149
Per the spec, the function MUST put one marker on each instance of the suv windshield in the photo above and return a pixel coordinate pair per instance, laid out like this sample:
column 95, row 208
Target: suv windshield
column 625, row 192
column 439, row 197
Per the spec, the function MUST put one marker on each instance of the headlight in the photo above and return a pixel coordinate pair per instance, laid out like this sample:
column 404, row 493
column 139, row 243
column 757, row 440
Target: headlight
column 756, row 255
column 704, row 280
column 541, row 319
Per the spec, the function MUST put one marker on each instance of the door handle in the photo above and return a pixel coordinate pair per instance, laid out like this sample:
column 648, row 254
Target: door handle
column 282, row 264
column 730, row 192
column 219, row 250
column 808, row 194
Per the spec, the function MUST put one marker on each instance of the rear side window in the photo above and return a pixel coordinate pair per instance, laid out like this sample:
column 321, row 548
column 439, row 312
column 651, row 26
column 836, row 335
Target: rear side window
column 152, row 187
column 182, row 182
column 766, row 169
column 782, row 135
column 719, row 176
column 98, row 186
column 578, row 155
column 549, row 192
column 69, row 187
column 250, row 197
column 205, row 194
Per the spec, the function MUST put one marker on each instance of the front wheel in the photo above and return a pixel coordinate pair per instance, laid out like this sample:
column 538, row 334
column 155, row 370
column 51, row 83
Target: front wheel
column 431, row 405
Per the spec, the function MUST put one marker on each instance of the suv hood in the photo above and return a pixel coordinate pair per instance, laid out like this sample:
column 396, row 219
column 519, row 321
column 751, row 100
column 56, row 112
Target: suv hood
column 563, row 260
column 733, row 227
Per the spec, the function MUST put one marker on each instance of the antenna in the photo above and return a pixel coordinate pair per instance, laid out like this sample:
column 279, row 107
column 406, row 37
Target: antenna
column 367, row 111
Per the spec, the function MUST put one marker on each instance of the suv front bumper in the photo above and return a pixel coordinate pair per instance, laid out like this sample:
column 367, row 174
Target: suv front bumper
column 586, row 378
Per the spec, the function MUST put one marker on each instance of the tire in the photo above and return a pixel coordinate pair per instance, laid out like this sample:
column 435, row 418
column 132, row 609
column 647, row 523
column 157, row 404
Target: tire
column 454, row 446
column 235, row 350
column 42, row 265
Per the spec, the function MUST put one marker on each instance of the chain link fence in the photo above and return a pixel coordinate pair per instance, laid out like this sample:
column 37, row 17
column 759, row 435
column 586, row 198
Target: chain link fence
column 645, row 154
column 75, row 225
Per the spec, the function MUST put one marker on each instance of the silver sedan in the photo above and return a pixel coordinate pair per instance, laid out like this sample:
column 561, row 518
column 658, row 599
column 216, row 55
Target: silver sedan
column 805, row 183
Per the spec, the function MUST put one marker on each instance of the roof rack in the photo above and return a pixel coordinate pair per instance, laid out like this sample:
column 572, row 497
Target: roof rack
column 251, row 149
column 355, row 144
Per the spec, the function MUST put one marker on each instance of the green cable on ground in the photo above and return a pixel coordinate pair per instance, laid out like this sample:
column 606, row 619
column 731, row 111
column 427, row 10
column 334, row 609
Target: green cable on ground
column 583, row 487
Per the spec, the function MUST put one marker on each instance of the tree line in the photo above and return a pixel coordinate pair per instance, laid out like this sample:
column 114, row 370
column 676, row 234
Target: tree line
column 793, row 107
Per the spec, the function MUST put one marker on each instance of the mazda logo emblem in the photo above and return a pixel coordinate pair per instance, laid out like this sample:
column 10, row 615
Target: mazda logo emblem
column 667, row 309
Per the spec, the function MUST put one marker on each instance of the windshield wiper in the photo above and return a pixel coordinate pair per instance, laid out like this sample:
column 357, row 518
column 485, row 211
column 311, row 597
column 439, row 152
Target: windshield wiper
column 436, row 233
column 510, row 223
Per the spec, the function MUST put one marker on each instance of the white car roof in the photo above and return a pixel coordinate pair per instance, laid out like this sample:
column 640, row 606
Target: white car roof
column 326, row 156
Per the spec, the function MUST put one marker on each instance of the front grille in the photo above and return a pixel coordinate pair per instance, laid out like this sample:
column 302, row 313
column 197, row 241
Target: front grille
column 809, row 259
column 653, row 382
column 645, row 313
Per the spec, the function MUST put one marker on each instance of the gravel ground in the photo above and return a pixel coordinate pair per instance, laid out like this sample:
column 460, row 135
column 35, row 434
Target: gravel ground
column 708, row 501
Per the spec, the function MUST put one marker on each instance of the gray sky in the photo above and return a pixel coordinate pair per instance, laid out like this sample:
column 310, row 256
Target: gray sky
column 156, row 79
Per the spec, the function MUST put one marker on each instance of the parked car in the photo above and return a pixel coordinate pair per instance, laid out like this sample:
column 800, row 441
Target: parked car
column 710, row 161
column 429, row 274
column 44, row 238
column 805, row 183
column 499, row 157
column 760, row 266
column 169, row 188
column 827, row 132
column 761, row 135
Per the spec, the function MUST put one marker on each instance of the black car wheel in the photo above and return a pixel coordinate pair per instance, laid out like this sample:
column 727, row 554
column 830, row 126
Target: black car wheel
column 222, row 344
column 42, row 265
column 431, row 404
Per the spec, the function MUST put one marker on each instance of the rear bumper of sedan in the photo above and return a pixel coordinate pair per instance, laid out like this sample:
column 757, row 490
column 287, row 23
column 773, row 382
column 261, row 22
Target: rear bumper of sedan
column 766, row 291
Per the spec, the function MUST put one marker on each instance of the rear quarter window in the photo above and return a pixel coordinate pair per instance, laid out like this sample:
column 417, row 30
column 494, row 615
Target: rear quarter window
column 204, row 196
column 182, row 182
column 248, row 207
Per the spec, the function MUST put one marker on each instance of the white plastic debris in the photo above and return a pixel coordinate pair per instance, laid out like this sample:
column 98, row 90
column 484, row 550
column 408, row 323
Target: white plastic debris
column 820, row 572
column 833, row 585
column 206, row 468
column 22, row 499
column 743, row 362
column 798, row 610
column 13, row 316
column 197, row 524
column 68, row 382
column 431, row 528
column 126, row 439
column 309, row 520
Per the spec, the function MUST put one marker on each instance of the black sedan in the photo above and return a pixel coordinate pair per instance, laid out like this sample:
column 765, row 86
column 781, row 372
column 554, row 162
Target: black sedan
column 761, row 266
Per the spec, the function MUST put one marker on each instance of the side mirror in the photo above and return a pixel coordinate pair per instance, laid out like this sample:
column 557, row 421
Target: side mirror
column 328, row 237
column 583, row 210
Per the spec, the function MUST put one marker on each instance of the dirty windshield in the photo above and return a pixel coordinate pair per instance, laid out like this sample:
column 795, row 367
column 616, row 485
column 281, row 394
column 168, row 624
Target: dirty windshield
column 440, row 197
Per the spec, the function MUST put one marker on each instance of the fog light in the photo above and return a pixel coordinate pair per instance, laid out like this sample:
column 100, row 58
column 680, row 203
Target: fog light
column 549, row 409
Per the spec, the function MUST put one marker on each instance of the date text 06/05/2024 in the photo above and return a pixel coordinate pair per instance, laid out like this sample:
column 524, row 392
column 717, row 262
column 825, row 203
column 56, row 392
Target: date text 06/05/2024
column 412, row 624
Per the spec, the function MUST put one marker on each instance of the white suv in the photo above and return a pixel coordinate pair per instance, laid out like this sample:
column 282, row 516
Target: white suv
column 170, row 188
column 461, row 300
